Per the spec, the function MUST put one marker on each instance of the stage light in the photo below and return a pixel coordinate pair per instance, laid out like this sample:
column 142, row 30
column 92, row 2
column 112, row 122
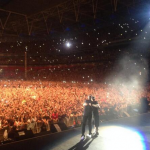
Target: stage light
column 68, row 44
column 119, row 137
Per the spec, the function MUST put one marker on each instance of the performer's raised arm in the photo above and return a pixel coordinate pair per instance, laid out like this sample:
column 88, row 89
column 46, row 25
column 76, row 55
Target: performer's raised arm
column 96, row 105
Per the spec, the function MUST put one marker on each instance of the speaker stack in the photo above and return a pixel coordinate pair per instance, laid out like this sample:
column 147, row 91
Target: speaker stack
column 58, row 127
column 20, row 134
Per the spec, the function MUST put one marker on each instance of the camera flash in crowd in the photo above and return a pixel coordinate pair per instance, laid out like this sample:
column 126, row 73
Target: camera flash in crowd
column 68, row 44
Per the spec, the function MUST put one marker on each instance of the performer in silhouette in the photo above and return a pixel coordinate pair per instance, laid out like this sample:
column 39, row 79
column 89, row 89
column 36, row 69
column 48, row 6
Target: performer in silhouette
column 87, row 115
column 95, row 108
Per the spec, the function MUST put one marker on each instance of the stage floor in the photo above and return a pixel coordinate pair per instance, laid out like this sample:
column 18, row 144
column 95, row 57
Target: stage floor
column 110, row 138
column 132, row 133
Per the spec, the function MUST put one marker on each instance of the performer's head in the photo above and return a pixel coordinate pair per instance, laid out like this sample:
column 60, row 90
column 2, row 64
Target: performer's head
column 90, row 97
column 93, row 98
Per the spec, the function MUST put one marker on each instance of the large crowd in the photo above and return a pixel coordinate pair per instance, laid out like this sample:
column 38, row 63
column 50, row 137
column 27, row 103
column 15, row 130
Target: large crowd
column 59, row 78
column 89, row 45
column 26, row 103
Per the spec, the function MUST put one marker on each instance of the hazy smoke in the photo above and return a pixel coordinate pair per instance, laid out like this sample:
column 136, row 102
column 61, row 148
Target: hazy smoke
column 129, row 72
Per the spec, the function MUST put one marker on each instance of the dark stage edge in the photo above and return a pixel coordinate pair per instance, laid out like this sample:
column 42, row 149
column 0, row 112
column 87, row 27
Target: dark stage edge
column 132, row 133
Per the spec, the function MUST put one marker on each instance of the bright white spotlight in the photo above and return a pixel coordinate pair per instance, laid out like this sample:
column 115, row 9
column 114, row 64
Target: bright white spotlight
column 68, row 44
column 117, row 137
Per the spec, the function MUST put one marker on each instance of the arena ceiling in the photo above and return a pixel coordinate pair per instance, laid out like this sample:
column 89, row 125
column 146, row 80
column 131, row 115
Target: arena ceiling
column 41, row 17
column 28, row 7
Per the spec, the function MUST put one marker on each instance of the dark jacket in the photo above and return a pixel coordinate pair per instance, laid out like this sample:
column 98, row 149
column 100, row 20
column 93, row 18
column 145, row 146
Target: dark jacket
column 87, row 108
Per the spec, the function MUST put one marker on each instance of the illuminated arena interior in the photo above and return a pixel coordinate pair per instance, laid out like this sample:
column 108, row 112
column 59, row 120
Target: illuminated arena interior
column 53, row 54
